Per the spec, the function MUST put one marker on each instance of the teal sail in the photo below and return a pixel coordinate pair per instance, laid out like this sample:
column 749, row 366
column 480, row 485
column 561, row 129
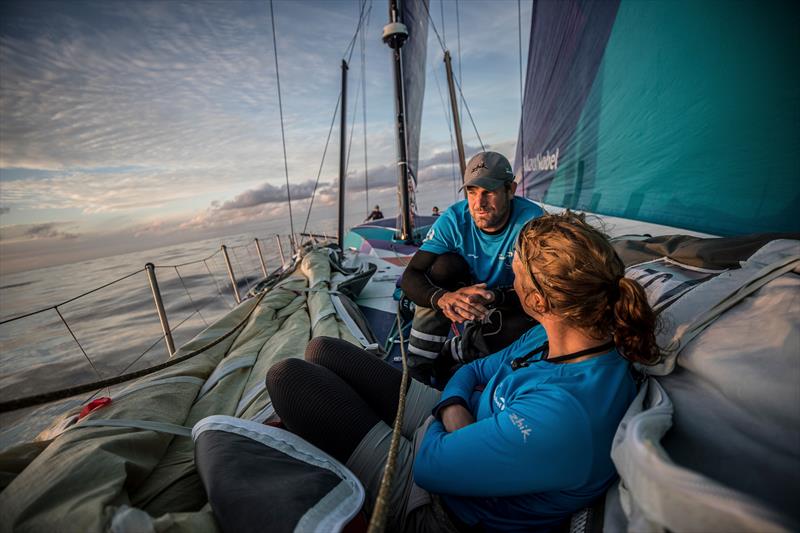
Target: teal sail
column 681, row 113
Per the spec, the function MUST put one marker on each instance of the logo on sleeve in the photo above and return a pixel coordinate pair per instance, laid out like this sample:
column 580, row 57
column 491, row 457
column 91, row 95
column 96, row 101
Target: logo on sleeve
column 500, row 402
column 521, row 425
column 431, row 234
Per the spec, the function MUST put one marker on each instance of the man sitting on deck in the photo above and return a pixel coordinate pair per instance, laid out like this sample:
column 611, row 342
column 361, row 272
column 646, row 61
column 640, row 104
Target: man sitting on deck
column 376, row 214
column 462, row 273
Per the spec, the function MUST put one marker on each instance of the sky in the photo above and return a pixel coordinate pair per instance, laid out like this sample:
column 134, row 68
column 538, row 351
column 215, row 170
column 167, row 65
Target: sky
column 127, row 125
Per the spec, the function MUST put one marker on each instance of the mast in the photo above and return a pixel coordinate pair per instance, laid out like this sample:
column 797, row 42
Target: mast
column 454, row 107
column 342, row 152
column 395, row 34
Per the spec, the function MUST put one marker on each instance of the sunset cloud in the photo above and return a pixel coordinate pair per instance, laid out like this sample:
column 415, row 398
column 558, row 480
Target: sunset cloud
column 139, row 122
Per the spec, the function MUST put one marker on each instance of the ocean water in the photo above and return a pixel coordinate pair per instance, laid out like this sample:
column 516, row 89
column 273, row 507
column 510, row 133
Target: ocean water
column 117, row 326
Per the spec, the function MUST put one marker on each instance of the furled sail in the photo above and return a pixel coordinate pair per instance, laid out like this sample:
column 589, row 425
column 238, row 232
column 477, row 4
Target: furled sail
column 679, row 113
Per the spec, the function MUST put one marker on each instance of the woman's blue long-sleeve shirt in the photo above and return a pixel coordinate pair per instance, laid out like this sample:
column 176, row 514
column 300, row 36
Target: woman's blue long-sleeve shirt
column 540, row 446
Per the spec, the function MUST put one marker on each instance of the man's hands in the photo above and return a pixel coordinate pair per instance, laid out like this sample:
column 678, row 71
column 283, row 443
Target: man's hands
column 466, row 303
column 455, row 417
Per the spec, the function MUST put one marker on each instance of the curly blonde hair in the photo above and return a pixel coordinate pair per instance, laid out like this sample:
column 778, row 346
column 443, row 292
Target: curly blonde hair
column 582, row 279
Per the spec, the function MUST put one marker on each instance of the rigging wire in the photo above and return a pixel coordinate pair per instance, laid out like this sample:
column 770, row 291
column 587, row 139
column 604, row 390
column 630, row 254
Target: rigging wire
column 78, row 343
column 458, row 43
column 364, row 106
column 349, row 54
column 448, row 119
column 352, row 44
column 26, row 315
column 352, row 129
column 521, row 98
column 219, row 250
column 458, row 85
column 280, row 110
column 219, row 289
column 322, row 163
column 185, row 288
column 38, row 399
column 441, row 9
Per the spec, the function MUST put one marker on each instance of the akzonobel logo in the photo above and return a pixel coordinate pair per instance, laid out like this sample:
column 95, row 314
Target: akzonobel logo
column 548, row 161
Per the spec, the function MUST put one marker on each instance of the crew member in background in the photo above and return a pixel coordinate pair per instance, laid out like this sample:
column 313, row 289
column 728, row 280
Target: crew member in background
column 462, row 273
column 435, row 212
column 376, row 214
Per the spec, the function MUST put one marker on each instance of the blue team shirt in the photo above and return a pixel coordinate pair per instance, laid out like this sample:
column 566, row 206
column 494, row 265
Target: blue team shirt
column 488, row 256
column 540, row 447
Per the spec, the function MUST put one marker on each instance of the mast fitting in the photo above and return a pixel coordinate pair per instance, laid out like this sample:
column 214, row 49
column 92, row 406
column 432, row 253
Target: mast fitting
column 395, row 34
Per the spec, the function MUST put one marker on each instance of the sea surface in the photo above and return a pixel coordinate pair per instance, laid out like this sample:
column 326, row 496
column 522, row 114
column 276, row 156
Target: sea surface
column 114, row 329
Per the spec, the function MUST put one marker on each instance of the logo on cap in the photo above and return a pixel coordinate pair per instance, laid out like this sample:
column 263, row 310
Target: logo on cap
column 478, row 166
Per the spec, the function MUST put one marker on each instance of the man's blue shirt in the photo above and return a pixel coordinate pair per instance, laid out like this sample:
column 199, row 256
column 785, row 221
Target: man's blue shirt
column 488, row 255
column 540, row 446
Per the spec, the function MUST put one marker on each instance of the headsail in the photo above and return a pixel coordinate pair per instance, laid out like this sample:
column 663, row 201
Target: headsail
column 680, row 113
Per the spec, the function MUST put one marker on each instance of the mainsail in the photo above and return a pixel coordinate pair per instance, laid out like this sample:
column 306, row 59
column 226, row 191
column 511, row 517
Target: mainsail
column 415, row 17
column 679, row 113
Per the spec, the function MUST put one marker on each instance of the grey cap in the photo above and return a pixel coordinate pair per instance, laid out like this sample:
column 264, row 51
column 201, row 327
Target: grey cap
column 488, row 170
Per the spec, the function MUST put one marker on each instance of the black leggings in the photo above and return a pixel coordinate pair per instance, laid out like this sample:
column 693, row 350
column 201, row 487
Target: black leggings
column 334, row 397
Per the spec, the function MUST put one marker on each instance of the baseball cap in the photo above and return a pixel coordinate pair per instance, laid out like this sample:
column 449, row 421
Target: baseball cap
column 488, row 170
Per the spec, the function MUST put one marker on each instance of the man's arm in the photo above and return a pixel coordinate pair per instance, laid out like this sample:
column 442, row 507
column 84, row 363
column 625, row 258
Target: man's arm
column 416, row 284
column 466, row 303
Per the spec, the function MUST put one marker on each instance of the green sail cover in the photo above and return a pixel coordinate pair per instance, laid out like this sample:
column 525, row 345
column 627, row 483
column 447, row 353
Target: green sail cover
column 681, row 113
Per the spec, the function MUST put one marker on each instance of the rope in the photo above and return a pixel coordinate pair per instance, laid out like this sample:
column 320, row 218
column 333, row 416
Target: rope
column 70, row 300
column 190, row 297
column 380, row 512
column 280, row 110
column 38, row 399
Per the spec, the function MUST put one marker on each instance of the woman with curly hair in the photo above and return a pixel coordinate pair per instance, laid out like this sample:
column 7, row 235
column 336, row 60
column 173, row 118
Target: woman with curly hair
column 518, row 440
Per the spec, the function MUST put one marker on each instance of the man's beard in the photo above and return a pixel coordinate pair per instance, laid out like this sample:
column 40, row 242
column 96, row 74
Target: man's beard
column 489, row 219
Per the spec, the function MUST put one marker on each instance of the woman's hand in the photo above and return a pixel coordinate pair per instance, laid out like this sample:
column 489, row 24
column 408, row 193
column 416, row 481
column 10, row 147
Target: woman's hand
column 466, row 303
column 455, row 417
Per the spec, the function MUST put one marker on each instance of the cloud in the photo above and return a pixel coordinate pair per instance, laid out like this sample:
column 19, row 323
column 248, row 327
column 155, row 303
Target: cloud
column 269, row 194
column 46, row 230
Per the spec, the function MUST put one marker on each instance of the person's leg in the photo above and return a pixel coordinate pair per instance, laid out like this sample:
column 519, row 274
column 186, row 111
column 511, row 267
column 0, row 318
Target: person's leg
column 375, row 381
column 430, row 328
column 316, row 404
